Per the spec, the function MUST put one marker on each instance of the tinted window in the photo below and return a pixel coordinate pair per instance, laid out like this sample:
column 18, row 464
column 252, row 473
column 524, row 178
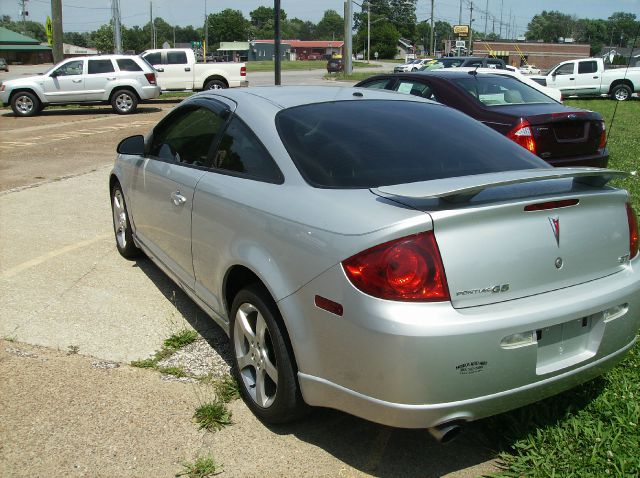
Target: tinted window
column 377, row 84
column 370, row 143
column 70, row 69
column 100, row 66
column 499, row 90
column 154, row 58
column 587, row 67
column 414, row 88
column 240, row 151
column 127, row 64
column 176, row 57
column 565, row 69
column 186, row 136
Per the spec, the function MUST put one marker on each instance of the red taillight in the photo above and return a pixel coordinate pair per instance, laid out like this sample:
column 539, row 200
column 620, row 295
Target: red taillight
column 603, row 137
column 243, row 71
column 523, row 135
column 151, row 78
column 633, row 231
column 407, row 269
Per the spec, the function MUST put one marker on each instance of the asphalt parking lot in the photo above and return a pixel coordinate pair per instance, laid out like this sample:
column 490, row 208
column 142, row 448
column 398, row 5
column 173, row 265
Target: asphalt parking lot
column 73, row 314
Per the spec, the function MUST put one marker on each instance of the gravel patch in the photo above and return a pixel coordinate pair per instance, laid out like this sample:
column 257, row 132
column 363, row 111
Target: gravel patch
column 104, row 364
column 201, row 359
column 20, row 353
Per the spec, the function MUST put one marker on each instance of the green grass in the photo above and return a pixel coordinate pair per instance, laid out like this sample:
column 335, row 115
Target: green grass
column 203, row 467
column 592, row 430
column 268, row 65
column 212, row 416
column 180, row 339
column 170, row 346
column 227, row 389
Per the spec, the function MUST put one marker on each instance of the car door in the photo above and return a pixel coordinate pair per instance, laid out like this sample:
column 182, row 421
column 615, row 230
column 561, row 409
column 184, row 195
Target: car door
column 226, row 209
column 100, row 74
column 162, row 190
column 587, row 79
column 177, row 74
column 563, row 78
column 65, row 84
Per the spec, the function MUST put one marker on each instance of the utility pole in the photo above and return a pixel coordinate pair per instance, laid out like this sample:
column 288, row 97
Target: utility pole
column 460, row 14
column 206, row 32
column 115, row 15
column 56, row 14
column 369, row 30
column 470, row 29
column 23, row 14
column 501, row 5
column 431, row 50
column 348, row 49
column 486, row 17
column 276, row 43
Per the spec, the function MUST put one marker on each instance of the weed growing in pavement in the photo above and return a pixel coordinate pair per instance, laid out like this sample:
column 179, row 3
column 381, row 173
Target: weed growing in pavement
column 10, row 338
column 226, row 389
column 212, row 416
column 171, row 345
column 180, row 339
column 203, row 467
column 73, row 350
column 175, row 371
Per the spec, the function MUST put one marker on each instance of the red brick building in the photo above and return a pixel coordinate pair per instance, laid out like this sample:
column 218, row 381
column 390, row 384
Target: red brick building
column 542, row 55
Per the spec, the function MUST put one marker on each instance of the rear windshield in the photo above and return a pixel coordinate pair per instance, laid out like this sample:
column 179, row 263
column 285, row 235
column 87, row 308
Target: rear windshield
column 371, row 143
column 500, row 90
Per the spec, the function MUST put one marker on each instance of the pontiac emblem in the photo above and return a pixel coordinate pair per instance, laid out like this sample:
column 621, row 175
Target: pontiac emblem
column 555, row 227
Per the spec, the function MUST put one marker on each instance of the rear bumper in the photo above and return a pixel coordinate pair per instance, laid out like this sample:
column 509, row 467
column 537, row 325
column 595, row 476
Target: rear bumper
column 150, row 92
column 595, row 161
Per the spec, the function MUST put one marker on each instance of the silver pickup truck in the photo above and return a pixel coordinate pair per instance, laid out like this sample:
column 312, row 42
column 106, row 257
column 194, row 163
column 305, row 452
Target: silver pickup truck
column 120, row 80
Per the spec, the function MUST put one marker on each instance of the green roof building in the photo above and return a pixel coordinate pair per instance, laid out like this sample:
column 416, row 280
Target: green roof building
column 20, row 49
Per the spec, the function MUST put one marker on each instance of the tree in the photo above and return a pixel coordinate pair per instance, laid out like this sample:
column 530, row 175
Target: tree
column 77, row 39
column 299, row 29
column 593, row 32
column 136, row 39
column 622, row 29
column 228, row 25
column 384, row 39
column 331, row 26
column 549, row 26
column 442, row 31
column 262, row 22
column 102, row 39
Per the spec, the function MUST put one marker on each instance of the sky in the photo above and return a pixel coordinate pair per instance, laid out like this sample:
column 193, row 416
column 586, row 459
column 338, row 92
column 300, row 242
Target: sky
column 89, row 15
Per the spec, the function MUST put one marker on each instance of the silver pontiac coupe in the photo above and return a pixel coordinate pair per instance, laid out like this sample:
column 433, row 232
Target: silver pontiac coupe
column 381, row 254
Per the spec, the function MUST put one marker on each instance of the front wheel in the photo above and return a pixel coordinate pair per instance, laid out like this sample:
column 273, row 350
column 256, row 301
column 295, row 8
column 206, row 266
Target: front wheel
column 214, row 85
column 263, row 366
column 124, row 102
column 621, row 93
column 122, row 225
column 25, row 103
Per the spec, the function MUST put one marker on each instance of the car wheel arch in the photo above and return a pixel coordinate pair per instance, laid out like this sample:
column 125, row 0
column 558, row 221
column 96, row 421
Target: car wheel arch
column 26, row 90
column 123, row 87
column 215, row 78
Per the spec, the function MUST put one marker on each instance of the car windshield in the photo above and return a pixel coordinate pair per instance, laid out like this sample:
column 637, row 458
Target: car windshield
column 494, row 90
column 371, row 143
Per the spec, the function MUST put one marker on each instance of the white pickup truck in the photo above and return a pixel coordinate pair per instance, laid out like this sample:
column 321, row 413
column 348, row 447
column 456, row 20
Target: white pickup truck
column 177, row 69
column 589, row 77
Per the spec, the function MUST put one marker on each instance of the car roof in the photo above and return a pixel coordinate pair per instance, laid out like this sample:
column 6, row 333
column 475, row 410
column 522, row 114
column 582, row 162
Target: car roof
column 289, row 96
column 101, row 57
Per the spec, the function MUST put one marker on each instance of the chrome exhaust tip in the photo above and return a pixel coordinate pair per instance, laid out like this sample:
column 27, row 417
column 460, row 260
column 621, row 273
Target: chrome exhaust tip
column 445, row 432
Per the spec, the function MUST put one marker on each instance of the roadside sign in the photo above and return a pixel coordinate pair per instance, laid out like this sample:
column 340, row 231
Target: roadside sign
column 49, row 29
column 461, row 30
column 376, row 55
column 460, row 43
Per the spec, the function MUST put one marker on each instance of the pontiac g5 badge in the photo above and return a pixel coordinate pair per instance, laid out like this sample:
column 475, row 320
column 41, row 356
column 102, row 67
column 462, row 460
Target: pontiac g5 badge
column 555, row 227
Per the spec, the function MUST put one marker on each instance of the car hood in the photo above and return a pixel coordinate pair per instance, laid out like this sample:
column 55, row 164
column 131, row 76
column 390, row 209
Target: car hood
column 22, row 80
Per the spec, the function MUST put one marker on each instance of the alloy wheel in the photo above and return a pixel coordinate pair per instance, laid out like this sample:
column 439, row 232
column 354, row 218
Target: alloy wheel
column 24, row 104
column 120, row 219
column 124, row 102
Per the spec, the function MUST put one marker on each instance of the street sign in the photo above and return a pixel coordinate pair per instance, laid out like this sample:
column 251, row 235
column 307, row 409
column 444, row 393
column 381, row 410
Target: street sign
column 461, row 30
column 460, row 43
column 376, row 55
column 49, row 29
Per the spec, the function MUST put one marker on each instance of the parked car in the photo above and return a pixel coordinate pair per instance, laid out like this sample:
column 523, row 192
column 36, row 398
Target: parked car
column 472, row 61
column 335, row 65
column 356, row 268
column 3, row 65
column 413, row 65
column 559, row 134
column 178, row 70
column 529, row 70
column 590, row 77
column 120, row 80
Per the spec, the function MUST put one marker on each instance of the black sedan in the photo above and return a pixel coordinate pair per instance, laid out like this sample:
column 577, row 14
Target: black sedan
column 559, row 134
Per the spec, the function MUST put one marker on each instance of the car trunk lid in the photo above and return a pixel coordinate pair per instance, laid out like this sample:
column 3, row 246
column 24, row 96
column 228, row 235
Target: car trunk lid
column 505, row 239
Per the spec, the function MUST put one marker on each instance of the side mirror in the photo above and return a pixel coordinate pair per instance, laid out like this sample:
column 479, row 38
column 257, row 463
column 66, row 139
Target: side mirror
column 133, row 145
column 53, row 74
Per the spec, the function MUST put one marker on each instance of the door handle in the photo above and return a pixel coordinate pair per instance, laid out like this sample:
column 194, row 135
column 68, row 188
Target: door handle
column 187, row 69
column 177, row 198
column 160, row 69
column 572, row 78
column 595, row 77
column 77, row 81
column 111, row 78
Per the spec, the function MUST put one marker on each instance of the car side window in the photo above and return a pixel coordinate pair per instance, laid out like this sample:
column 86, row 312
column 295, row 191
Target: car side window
column 186, row 136
column 378, row 84
column 241, row 152
column 587, row 67
column 176, row 58
column 127, row 64
column 154, row 58
column 414, row 88
column 566, row 69
column 71, row 68
column 100, row 66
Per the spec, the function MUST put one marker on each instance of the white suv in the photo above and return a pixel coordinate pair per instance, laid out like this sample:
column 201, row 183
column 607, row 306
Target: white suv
column 120, row 80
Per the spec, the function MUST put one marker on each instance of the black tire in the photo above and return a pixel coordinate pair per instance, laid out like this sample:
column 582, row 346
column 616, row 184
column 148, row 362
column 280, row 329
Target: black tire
column 122, row 226
column 25, row 103
column 215, row 85
column 124, row 102
column 280, row 400
column 621, row 92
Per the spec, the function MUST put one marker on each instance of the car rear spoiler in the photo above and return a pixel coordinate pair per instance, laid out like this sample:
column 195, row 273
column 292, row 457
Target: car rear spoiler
column 464, row 188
